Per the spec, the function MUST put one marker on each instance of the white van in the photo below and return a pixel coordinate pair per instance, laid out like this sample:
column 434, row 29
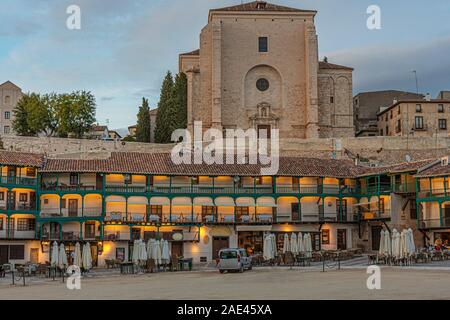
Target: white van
column 234, row 259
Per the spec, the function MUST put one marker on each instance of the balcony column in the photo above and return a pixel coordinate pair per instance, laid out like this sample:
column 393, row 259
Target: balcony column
column 149, row 184
column 299, row 190
column 103, row 205
column 103, row 184
column 60, row 205
column 299, row 208
column 8, row 226
column 254, row 185
column 82, row 206
column 170, row 184
column 445, row 186
column 102, row 230
column 340, row 200
column 431, row 186
column 60, row 231
column 274, row 184
column 81, row 230
column 440, row 214
column 126, row 208
column 170, row 209
column 379, row 206
column 213, row 184
column 192, row 209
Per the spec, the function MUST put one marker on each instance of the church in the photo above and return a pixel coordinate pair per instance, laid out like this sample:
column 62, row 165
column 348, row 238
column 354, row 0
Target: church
column 258, row 67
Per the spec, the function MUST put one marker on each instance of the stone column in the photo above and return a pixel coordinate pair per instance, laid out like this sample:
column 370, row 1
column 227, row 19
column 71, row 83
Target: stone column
column 216, row 121
column 311, row 66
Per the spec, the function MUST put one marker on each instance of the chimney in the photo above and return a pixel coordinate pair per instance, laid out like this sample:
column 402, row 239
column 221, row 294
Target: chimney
column 444, row 161
column 394, row 101
column 428, row 97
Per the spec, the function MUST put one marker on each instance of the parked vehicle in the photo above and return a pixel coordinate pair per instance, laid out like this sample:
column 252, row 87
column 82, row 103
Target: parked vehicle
column 234, row 259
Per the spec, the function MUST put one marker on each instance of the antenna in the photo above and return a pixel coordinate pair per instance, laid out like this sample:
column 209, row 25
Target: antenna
column 417, row 81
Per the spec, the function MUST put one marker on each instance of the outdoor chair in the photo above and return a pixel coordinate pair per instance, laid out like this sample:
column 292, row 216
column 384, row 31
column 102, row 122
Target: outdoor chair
column 174, row 264
column 150, row 266
column 109, row 263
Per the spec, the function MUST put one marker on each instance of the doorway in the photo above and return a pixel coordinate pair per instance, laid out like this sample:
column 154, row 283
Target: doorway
column 342, row 239
column 73, row 207
column 218, row 244
column 89, row 230
column 376, row 235
column 177, row 249
column 4, row 252
column 34, row 255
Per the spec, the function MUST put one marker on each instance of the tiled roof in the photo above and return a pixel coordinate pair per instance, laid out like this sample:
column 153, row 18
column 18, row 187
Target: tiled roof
column 192, row 53
column 327, row 65
column 21, row 159
column 433, row 171
column 412, row 166
column 160, row 163
column 260, row 6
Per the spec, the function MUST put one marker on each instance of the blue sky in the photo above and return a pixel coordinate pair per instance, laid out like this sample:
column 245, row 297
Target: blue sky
column 124, row 48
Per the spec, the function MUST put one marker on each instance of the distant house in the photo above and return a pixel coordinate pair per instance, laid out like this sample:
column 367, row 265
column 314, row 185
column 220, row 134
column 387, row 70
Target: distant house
column 114, row 135
column 152, row 114
column 99, row 132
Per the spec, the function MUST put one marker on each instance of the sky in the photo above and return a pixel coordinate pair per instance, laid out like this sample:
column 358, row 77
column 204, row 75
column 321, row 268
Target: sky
column 124, row 48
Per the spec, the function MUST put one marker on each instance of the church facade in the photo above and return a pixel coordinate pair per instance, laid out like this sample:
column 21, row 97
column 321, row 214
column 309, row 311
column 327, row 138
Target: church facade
column 258, row 67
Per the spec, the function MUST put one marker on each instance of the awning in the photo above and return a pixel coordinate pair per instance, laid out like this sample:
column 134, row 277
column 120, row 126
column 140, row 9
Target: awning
column 245, row 202
column 181, row 201
column 254, row 228
column 137, row 200
column 203, row 201
column 224, row 202
column 115, row 199
column 266, row 202
column 159, row 201
column 365, row 203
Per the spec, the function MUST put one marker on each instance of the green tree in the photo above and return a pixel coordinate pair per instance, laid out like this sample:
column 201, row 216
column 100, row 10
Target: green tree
column 75, row 113
column 143, row 122
column 129, row 139
column 20, row 112
column 165, row 117
column 180, row 100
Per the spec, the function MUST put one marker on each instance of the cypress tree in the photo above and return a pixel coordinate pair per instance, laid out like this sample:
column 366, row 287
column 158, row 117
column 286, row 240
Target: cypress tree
column 165, row 116
column 143, row 122
column 180, row 100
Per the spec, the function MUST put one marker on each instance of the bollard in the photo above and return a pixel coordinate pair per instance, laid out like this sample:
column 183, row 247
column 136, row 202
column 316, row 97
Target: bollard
column 12, row 272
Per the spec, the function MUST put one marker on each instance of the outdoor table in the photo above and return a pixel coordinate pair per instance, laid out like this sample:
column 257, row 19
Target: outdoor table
column 126, row 267
column 183, row 262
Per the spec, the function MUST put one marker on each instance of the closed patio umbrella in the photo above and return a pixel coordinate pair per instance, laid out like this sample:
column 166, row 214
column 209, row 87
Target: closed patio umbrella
column 135, row 255
column 382, row 250
column 150, row 248
column 142, row 251
column 86, row 257
column 55, row 254
column 77, row 259
column 286, row 244
column 294, row 246
column 267, row 247
column 412, row 246
column 300, row 243
column 158, row 253
column 308, row 245
column 165, row 252
column 387, row 244
column 403, row 245
column 62, row 258
column 274, row 245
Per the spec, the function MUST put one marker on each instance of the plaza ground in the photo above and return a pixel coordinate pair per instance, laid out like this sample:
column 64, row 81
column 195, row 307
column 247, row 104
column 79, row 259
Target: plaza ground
column 417, row 282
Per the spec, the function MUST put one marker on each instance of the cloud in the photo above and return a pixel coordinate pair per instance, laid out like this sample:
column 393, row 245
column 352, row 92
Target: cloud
column 390, row 66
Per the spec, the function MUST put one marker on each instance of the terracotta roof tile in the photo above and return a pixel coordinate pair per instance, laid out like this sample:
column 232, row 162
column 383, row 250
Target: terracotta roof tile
column 327, row 65
column 260, row 6
column 21, row 159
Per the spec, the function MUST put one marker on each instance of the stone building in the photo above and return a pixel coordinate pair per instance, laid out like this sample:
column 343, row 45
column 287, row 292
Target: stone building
column 10, row 94
column 419, row 118
column 366, row 106
column 258, row 67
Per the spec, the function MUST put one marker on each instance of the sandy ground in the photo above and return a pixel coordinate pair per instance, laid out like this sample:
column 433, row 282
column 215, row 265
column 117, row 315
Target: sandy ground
column 256, row 284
